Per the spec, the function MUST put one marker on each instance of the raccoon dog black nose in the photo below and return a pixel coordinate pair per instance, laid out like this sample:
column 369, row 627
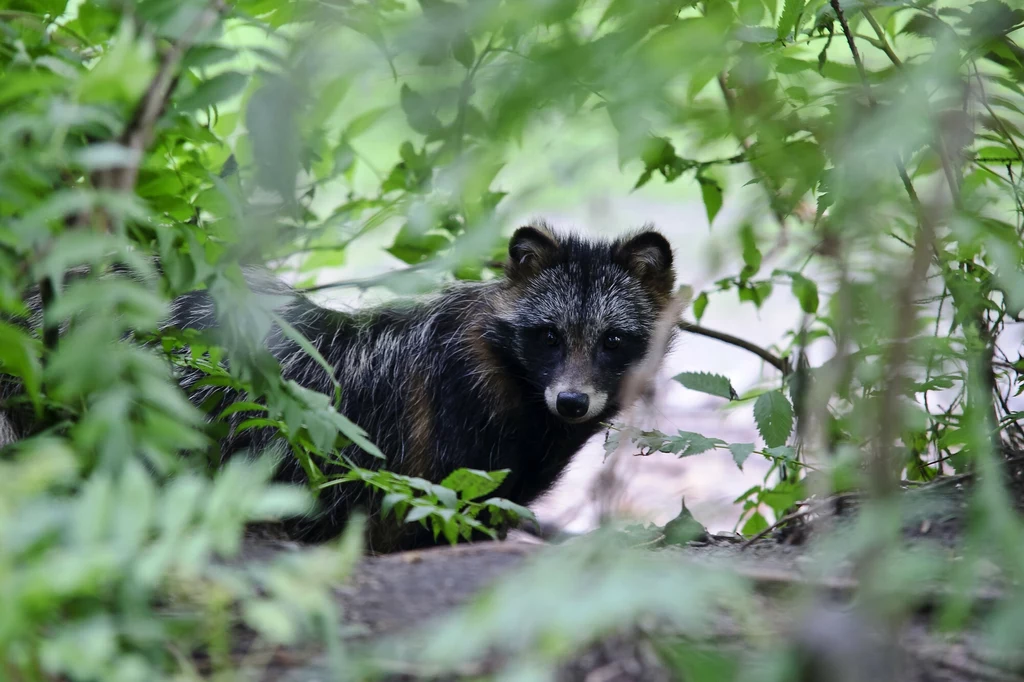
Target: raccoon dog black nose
column 572, row 404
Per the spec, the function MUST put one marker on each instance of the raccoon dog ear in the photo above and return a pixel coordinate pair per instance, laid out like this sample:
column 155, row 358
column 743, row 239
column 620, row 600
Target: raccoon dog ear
column 530, row 250
column 647, row 256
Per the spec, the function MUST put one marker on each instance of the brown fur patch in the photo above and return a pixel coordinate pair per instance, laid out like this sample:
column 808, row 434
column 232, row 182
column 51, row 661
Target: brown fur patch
column 485, row 364
column 419, row 457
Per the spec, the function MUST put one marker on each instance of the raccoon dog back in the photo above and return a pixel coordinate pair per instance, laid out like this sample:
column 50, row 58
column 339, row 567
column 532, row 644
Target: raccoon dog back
column 515, row 373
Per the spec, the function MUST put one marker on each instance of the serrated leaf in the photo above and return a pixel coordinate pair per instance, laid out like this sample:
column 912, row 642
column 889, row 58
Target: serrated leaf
column 712, row 384
column 688, row 443
column 774, row 417
column 791, row 11
column 785, row 452
column 740, row 452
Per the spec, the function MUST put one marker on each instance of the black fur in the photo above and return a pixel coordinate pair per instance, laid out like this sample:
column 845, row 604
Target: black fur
column 468, row 377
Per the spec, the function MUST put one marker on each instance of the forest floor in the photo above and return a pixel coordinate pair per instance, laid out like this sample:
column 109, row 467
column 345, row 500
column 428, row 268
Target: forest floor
column 403, row 594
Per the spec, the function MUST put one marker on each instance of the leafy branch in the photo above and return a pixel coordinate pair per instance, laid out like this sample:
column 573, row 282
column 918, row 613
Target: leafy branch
column 139, row 132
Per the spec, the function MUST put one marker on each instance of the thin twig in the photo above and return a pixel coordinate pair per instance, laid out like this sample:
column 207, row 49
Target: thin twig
column 368, row 282
column 781, row 364
column 853, row 49
column 811, row 509
column 883, row 41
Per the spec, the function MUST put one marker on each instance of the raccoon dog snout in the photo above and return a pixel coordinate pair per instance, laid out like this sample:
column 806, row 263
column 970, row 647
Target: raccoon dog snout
column 572, row 404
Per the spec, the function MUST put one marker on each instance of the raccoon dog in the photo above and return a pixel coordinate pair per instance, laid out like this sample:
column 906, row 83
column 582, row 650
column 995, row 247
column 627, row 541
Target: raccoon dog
column 515, row 373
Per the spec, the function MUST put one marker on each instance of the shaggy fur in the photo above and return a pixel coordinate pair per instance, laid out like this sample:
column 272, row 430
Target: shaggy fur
column 514, row 373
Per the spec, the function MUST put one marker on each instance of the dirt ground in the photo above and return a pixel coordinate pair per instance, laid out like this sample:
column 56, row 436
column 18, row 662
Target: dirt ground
column 412, row 592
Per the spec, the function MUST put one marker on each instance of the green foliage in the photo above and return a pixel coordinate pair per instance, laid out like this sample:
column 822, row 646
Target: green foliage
column 882, row 193
column 712, row 384
column 450, row 507
column 774, row 417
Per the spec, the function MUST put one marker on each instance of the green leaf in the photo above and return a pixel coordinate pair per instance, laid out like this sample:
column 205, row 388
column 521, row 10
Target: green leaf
column 221, row 87
column 750, row 11
column 711, row 192
column 774, row 417
column 418, row 114
column 445, row 496
column 364, row 121
column 785, row 452
column 755, row 34
column 419, row 512
column 344, row 157
column 19, row 356
column 783, row 496
column 242, row 406
column 754, row 525
column 751, row 254
column 124, row 70
column 392, row 499
column 296, row 336
column 687, row 443
column 270, row 116
column 740, row 452
column 463, row 50
column 518, row 511
column 473, row 483
column 700, row 304
column 804, row 290
column 712, row 384
column 356, row 434
column 791, row 11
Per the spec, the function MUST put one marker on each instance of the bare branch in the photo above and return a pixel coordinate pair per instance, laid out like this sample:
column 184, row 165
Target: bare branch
column 781, row 364
column 139, row 132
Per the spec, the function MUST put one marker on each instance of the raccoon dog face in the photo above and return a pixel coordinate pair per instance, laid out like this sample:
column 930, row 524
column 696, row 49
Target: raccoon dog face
column 581, row 313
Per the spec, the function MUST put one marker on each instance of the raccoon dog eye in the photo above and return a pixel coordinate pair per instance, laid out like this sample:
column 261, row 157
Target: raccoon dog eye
column 550, row 337
column 612, row 341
